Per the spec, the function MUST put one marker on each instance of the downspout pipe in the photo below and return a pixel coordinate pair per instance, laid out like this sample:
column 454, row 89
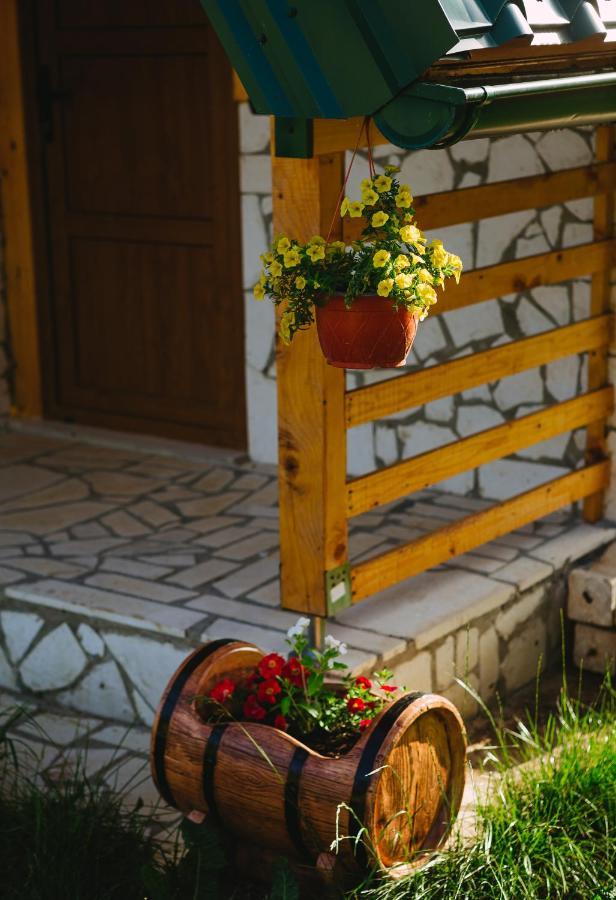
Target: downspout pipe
column 428, row 114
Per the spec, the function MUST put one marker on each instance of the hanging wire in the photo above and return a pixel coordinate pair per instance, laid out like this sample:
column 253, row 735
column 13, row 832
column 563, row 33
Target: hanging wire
column 364, row 125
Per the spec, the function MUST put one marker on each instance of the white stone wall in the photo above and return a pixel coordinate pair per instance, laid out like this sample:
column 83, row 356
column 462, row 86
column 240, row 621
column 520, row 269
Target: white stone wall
column 456, row 333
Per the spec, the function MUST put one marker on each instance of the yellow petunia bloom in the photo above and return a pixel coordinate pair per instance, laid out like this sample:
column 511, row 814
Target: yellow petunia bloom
column 456, row 263
column 391, row 170
column 316, row 239
column 426, row 293
column 267, row 258
column 384, row 287
column 356, row 209
column 382, row 183
column 426, row 276
column 287, row 319
column 379, row 219
column 275, row 269
column 405, row 188
column 291, row 259
column 410, row 234
column 300, row 282
column 404, row 280
column 336, row 247
column 381, row 258
column 344, row 206
column 316, row 252
column 403, row 199
column 369, row 197
column 258, row 291
column 366, row 184
column 439, row 254
column 401, row 261
column 283, row 245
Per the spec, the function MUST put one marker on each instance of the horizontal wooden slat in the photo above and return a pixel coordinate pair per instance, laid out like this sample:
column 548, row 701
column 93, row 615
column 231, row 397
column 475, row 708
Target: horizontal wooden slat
column 430, row 468
column 458, row 537
column 502, row 197
column 424, row 385
column 526, row 273
column 331, row 135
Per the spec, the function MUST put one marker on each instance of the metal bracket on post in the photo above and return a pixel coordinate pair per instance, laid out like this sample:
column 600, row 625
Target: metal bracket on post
column 338, row 588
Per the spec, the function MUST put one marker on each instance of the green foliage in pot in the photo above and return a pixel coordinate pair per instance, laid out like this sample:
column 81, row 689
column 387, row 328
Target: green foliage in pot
column 391, row 259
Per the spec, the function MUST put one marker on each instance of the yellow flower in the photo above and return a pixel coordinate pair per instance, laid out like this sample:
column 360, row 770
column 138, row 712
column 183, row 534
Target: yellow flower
column 267, row 258
column 403, row 199
column 406, row 190
column 369, row 197
column 344, row 206
column 439, row 254
column 275, row 269
column 401, row 262
column 384, row 287
column 336, row 247
column 379, row 219
column 258, row 291
column 404, row 280
column 300, row 282
column 391, row 170
column 316, row 239
column 410, row 234
column 283, row 245
column 381, row 258
column 291, row 259
column 284, row 329
column 356, row 209
column 316, row 252
column 426, row 293
column 366, row 184
column 418, row 260
column 456, row 263
column 426, row 276
column 382, row 183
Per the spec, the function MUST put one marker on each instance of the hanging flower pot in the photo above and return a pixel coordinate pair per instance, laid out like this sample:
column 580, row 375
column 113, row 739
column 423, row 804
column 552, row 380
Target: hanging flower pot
column 370, row 334
column 368, row 296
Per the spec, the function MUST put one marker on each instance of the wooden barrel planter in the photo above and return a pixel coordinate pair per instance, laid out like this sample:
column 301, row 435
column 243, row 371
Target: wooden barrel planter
column 392, row 798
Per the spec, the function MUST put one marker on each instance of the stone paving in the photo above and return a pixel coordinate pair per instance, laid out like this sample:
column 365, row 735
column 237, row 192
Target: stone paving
column 115, row 562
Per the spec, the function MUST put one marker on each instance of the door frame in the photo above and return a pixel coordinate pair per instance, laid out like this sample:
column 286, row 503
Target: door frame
column 23, row 220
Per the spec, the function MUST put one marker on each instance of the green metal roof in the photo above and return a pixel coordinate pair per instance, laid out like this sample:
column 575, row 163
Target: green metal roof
column 304, row 59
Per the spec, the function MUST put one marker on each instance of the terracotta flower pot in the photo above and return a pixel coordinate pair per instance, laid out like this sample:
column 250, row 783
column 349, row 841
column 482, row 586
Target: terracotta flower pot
column 369, row 335
column 395, row 793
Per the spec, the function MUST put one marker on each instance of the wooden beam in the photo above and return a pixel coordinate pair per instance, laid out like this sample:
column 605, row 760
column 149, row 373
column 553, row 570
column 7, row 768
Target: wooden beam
column 15, row 202
column 596, row 436
column 366, row 404
column 339, row 135
column 240, row 95
column 312, row 437
column 430, row 468
column 501, row 197
column 526, row 273
column 458, row 537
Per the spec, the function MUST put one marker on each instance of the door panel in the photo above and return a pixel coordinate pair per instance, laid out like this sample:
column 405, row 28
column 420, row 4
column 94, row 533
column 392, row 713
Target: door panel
column 141, row 158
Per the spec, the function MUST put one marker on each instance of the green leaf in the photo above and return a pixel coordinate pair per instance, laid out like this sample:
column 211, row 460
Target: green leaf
column 285, row 705
column 284, row 884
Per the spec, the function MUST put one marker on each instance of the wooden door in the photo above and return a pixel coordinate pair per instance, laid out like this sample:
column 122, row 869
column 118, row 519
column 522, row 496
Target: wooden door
column 140, row 153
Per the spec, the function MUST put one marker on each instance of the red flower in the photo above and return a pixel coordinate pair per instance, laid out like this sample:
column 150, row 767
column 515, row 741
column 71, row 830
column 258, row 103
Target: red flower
column 281, row 723
column 271, row 665
column 389, row 688
column 268, row 690
column 293, row 671
column 253, row 709
column 223, row 690
column 363, row 682
column 364, row 724
column 355, row 704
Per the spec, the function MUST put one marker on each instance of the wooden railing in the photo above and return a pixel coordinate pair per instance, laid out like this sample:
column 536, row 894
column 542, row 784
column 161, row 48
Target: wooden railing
column 317, row 499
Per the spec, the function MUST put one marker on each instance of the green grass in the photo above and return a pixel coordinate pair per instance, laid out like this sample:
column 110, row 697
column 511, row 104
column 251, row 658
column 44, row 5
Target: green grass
column 549, row 829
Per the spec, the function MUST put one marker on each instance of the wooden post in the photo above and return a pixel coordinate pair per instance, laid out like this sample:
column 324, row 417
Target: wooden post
column 311, row 425
column 596, row 438
column 15, row 202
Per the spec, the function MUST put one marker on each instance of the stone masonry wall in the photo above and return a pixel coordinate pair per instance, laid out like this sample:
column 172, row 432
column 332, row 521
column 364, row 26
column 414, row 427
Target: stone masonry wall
column 456, row 333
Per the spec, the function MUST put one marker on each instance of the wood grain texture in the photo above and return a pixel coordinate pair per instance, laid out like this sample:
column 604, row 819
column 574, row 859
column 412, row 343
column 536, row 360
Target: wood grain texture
column 311, row 431
column 15, row 202
column 596, row 434
column 394, row 566
column 431, row 383
column 406, row 773
column 426, row 469
column 447, row 208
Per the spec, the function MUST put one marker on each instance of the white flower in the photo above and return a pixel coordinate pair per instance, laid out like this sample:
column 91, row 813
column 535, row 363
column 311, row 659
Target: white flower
column 333, row 644
column 299, row 628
